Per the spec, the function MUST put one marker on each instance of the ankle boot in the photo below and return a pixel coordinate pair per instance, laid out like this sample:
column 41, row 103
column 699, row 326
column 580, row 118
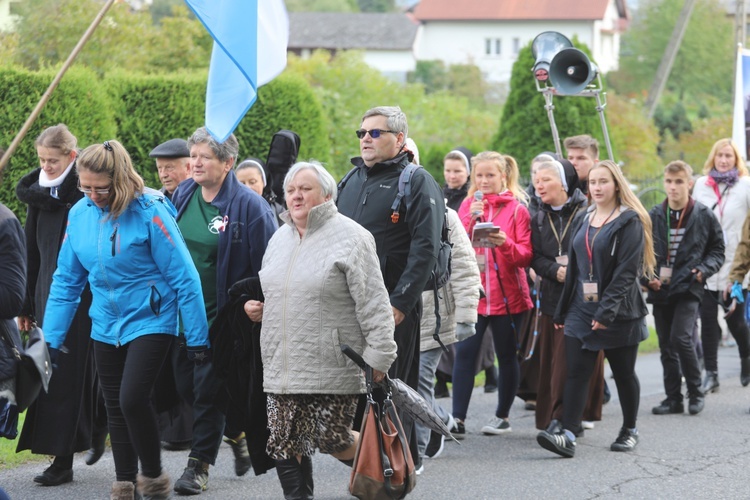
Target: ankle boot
column 291, row 478
column 745, row 371
column 122, row 490
column 307, row 476
column 155, row 488
column 98, row 444
column 711, row 382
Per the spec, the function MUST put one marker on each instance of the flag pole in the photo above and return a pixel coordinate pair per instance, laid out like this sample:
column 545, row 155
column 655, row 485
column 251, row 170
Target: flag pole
column 52, row 86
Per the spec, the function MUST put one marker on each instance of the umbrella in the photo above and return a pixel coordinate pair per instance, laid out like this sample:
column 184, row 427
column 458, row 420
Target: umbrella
column 405, row 398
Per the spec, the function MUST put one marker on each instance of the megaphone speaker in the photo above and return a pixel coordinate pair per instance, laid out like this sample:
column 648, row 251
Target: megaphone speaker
column 571, row 71
column 544, row 47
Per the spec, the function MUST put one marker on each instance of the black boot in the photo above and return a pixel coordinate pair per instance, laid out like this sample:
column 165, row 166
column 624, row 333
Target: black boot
column 711, row 382
column 291, row 478
column 307, row 476
column 98, row 443
column 745, row 371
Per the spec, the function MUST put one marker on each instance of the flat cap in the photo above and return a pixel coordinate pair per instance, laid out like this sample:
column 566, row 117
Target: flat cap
column 173, row 148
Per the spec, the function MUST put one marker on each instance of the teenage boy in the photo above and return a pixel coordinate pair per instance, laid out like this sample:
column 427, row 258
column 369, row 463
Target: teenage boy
column 689, row 246
column 583, row 153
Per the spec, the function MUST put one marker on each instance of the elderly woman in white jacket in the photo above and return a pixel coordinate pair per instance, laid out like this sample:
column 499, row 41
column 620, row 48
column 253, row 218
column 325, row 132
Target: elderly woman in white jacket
column 458, row 302
column 725, row 189
column 323, row 287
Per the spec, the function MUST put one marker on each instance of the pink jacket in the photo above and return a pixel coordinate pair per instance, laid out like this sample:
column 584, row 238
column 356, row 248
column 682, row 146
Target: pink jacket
column 512, row 257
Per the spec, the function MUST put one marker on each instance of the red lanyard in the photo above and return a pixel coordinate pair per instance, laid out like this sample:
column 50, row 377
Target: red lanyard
column 679, row 223
column 719, row 196
column 590, row 247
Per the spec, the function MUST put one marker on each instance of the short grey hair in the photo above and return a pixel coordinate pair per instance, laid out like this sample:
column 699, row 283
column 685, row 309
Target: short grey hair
column 325, row 179
column 223, row 150
column 396, row 118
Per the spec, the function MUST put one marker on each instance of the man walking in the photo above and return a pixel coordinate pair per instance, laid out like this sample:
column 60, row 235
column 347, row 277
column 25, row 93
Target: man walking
column 689, row 247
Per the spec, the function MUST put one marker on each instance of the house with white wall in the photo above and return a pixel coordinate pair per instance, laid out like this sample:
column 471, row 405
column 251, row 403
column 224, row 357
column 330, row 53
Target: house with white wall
column 387, row 40
column 8, row 14
column 490, row 33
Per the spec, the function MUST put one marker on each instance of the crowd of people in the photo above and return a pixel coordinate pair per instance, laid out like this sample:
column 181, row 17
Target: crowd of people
column 137, row 291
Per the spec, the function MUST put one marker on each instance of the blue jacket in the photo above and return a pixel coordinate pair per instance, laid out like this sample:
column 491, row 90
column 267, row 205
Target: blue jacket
column 250, row 224
column 139, row 269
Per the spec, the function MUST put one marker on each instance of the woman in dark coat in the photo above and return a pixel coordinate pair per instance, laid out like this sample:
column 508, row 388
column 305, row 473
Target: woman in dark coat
column 60, row 422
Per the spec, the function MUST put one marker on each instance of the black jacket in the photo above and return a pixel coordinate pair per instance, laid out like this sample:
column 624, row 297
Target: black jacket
column 454, row 197
column 702, row 248
column 546, row 247
column 619, row 264
column 408, row 248
column 12, row 286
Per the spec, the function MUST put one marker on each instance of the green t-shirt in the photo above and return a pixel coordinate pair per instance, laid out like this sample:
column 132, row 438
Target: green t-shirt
column 199, row 225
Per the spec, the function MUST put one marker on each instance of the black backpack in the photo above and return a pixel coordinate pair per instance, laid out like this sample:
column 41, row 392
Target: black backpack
column 441, row 272
column 281, row 156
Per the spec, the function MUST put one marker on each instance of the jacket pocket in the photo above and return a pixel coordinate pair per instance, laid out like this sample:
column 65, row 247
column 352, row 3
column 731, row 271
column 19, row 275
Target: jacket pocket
column 336, row 347
column 155, row 300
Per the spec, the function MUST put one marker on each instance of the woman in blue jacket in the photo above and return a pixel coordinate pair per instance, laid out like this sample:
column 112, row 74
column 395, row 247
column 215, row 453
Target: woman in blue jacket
column 123, row 240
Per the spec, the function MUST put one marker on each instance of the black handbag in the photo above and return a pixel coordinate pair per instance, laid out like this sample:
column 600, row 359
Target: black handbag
column 33, row 365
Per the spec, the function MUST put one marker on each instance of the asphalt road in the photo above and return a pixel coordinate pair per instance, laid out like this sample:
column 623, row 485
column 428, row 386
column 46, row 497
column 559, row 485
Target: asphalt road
column 679, row 456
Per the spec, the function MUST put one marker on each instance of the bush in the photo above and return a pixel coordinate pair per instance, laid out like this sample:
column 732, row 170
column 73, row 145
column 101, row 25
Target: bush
column 80, row 102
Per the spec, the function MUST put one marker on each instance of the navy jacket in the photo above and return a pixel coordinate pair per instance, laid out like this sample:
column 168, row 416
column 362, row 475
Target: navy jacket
column 250, row 224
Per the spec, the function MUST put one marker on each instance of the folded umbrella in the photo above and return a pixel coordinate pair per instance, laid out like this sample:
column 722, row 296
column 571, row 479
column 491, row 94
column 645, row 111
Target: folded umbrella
column 406, row 399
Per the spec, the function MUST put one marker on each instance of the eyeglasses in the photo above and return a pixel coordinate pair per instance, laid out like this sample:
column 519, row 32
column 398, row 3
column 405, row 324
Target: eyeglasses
column 374, row 133
column 89, row 192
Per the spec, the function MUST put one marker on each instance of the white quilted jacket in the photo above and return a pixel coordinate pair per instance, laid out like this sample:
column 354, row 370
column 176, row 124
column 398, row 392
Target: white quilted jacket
column 322, row 291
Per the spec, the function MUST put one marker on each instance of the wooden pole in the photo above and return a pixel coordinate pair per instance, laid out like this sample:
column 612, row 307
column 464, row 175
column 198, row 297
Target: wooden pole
column 52, row 86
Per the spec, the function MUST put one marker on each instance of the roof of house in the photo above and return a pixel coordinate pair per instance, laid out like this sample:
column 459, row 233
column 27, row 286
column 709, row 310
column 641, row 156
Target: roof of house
column 337, row 30
column 516, row 10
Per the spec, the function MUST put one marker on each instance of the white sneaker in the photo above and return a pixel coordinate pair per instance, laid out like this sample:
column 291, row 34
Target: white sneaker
column 497, row 426
column 587, row 424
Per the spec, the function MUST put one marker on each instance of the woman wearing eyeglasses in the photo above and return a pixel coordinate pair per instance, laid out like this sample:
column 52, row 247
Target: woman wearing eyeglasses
column 123, row 240
column 59, row 423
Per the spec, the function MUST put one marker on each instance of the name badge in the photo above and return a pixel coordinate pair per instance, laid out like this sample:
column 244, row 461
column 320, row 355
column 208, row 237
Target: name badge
column 481, row 262
column 590, row 291
column 665, row 275
column 562, row 260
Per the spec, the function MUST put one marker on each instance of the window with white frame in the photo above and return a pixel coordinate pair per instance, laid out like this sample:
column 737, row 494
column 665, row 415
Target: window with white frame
column 493, row 47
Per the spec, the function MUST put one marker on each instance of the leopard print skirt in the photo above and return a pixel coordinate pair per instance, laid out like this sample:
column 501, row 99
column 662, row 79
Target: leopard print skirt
column 300, row 423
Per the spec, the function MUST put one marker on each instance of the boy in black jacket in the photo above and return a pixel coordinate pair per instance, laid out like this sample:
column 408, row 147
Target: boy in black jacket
column 689, row 247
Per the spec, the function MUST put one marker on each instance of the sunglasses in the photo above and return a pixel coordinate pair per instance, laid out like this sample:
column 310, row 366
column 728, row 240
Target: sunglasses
column 374, row 133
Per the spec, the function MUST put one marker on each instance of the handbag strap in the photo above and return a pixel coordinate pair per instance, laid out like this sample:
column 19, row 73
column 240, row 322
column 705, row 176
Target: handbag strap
column 389, row 410
column 9, row 340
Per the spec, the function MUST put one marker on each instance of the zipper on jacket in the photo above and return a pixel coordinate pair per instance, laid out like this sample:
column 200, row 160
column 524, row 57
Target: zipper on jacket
column 364, row 200
column 284, row 375
column 103, row 271
column 113, row 239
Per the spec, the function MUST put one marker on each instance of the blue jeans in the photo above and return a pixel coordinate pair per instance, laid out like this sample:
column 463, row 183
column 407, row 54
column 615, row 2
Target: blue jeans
column 428, row 362
column 505, row 337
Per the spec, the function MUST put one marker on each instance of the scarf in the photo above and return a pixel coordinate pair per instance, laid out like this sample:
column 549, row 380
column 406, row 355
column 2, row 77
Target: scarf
column 729, row 178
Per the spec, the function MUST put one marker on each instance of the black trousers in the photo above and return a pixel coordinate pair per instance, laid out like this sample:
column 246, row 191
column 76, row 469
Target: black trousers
column 581, row 364
column 711, row 331
column 127, row 374
column 206, row 393
column 674, row 327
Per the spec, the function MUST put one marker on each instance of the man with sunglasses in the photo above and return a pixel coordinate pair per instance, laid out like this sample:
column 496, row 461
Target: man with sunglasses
column 407, row 238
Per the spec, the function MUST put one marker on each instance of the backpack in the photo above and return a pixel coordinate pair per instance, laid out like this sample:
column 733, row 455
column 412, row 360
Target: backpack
column 281, row 156
column 441, row 272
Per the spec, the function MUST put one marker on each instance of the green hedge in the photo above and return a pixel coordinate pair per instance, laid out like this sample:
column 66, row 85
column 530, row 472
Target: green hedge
column 142, row 111
column 78, row 102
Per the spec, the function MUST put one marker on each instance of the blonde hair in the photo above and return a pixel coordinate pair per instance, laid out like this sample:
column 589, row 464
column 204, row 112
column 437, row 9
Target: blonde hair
column 739, row 163
column 112, row 160
column 507, row 166
column 630, row 200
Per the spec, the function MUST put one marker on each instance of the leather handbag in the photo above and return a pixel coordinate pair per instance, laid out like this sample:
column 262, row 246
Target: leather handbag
column 383, row 467
column 33, row 367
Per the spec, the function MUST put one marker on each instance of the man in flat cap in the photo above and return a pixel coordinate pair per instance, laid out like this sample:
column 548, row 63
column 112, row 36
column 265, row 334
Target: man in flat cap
column 173, row 164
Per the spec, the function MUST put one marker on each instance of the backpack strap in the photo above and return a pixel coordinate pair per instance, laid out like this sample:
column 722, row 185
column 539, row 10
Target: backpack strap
column 346, row 178
column 404, row 190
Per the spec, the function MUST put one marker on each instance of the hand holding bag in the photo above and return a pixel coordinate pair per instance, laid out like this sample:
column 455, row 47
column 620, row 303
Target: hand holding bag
column 34, row 369
column 383, row 467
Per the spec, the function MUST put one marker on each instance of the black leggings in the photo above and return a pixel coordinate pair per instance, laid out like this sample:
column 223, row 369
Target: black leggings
column 711, row 331
column 580, row 366
column 127, row 375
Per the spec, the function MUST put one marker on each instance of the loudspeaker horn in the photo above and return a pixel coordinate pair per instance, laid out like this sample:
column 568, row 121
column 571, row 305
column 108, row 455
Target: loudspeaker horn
column 544, row 47
column 571, row 71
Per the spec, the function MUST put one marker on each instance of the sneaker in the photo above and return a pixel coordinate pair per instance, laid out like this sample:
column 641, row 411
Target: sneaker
column 667, row 407
column 497, row 426
column 194, row 479
column 696, row 404
column 435, row 446
column 625, row 441
column 587, row 424
column 458, row 431
column 242, row 462
column 558, row 443
column 419, row 468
